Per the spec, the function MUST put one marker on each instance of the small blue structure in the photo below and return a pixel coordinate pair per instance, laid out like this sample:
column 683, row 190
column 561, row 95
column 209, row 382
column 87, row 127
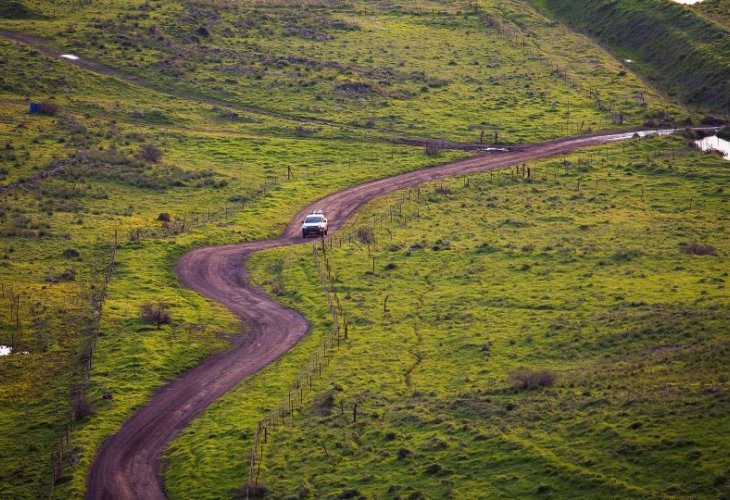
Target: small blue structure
column 35, row 108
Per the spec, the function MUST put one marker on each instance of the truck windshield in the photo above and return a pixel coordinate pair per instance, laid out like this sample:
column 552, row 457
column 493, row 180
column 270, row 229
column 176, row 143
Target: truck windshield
column 313, row 218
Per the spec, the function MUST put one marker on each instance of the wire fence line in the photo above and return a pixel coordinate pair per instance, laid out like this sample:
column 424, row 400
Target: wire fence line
column 29, row 325
column 174, row 224
column 531, row 48
column 79, row 405
column 364, row 234
column 303, row 385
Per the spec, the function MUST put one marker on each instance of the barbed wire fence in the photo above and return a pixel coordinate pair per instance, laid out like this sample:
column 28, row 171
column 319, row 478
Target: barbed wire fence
column 372, row 232
column 79, row 406
column 29, row 323
column 174, row 224
column 530, row 48
column 303, row 385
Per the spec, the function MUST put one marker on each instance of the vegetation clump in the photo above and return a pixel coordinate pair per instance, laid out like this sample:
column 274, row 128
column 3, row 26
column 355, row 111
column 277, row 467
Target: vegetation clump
column 697, row 249
column 157, row 313
column 531, row 379
column 365, row 235
column 66, row 275
column 150, row 153
column 71, row 253
column 15, row 9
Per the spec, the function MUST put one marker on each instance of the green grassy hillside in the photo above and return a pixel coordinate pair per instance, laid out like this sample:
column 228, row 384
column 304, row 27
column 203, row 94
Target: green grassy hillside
column 181, row 135
column 717, row 10
column 605, row 275
column 416, row 69
column 686, row 54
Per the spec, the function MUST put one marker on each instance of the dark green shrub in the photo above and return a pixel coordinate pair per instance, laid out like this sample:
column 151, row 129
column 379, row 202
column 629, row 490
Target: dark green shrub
column 529, row 379
column 71, row 253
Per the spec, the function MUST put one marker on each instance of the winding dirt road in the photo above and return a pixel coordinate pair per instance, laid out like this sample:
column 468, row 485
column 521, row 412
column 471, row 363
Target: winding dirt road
column 127, row 464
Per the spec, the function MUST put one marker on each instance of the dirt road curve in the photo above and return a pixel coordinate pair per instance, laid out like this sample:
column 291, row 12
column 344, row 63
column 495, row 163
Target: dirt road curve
column 127, row 464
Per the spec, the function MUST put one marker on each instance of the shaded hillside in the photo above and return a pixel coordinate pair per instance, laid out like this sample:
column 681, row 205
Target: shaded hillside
column 680, row 51
column 717, row 10
column 13, row 9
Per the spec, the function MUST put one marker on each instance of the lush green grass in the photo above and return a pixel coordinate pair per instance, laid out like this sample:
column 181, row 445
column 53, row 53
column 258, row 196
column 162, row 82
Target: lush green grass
column 432, row 70
column 588, row 284
column 208, row 166
column 685, row 53
column 414, row 68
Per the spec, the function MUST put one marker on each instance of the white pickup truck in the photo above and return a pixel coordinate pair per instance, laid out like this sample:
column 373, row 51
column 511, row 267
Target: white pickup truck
column 314, row 224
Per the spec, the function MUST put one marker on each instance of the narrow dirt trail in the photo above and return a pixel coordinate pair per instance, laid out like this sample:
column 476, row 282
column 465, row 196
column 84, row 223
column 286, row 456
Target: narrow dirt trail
column 190, row 95
column 127, row 464
column 102, row 69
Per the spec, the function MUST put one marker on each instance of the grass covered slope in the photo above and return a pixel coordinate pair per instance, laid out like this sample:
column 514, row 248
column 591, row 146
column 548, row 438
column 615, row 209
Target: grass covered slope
column 222, row 177
column 413, row 69
column 230, row 94
column 717, row 10
column 565, row 335
column 680, row 51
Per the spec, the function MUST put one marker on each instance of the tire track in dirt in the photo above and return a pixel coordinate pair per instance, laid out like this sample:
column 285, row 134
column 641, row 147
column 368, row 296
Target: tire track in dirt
column 127, row 464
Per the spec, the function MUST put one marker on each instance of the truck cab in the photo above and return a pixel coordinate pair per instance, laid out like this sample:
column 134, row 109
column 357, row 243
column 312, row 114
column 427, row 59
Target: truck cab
column 314, row 224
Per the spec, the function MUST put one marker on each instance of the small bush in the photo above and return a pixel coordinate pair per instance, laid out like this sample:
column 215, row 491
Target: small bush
column 432, row 149
column 515, row 223
column 324, row 402
column 82, row 407
column 252, row 491
column 433, row 469
column 528, row 379
column 71, row 253
column 150, row 153
column 626, row 255
column 300, row 131
column 697, row 249
column 365, row 235
column 152, row 116
column 15, row 9
column 67, row 275
column 163, row 217
column 543, row 489
column 436, row 443
column 156, row 314
column 350, row 493
column 419, row 245
column 487, row 248
column 713, row 121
